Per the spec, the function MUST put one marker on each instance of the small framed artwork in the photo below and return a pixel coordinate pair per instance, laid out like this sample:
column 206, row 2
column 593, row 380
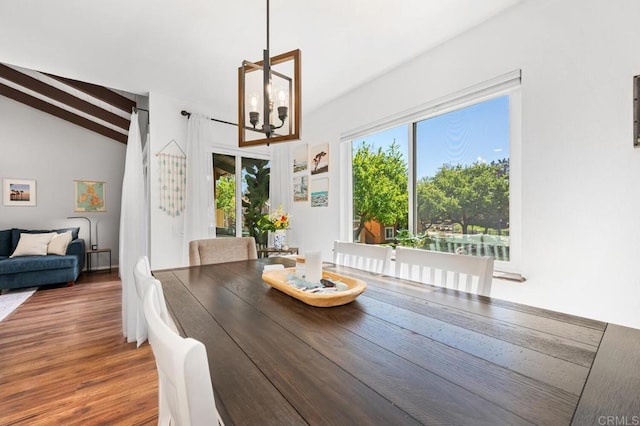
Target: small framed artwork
column 90, row 196
column 19, row 192
column 301, row 188
column 300, row 158
column 320, row 192
column 320, row 159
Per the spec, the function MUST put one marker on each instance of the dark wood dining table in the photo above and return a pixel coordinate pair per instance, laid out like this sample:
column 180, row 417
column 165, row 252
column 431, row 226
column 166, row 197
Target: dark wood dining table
column 401, row 353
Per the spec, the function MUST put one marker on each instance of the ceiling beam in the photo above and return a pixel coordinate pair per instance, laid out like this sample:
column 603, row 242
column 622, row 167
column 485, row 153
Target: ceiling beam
column 41, row 105
column 99, row 92
column 61, row 96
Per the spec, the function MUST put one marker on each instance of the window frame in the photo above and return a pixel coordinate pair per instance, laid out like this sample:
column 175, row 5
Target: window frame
column 238, row 174
column 506, row 84
column 386, row 233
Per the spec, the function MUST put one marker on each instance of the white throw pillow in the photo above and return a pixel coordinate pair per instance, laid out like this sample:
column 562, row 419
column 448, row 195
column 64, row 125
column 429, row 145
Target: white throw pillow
column 58, row 244
column 33, row 244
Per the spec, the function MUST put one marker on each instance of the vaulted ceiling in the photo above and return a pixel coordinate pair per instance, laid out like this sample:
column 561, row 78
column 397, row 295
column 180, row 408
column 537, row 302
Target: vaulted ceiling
column 93, row 107
column 191, row 49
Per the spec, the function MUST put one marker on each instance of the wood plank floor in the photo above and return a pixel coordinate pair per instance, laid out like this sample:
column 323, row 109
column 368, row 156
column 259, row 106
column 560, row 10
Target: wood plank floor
column 64, row 361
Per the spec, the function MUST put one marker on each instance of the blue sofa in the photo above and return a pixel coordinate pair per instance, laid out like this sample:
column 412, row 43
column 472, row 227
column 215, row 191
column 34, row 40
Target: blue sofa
column 32, row 271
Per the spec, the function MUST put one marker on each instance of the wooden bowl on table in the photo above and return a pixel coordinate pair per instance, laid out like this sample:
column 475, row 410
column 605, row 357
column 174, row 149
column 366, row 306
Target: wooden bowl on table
column 278, row 278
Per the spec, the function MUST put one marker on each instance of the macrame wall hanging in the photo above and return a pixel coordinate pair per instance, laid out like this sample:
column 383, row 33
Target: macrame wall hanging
column 172, row 164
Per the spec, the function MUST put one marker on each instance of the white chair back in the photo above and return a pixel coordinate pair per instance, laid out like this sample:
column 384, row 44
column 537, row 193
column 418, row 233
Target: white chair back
column 473, row 274
column 143, row 279
column 368, row 257
column 220, row 250
column 185, row 391
column 141, row 271
column 164, row 311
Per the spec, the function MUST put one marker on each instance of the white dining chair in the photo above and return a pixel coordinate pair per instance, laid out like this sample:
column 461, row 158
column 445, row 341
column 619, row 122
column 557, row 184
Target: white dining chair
column 164, row 311
column 368, row 257
column 143, row 279
column 220, row 250
column 185, row 393
column 473, row 274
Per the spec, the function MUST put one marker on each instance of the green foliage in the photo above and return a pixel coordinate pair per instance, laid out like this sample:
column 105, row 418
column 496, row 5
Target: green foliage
column 274, row 221
column 265, row 224
column 467, row 195
column 226, row 198
column 406, row 239
column 254, row 201
column 380, row 186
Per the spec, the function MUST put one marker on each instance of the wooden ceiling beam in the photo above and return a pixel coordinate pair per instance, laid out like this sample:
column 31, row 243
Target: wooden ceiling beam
column 61, row 96
column 41, row 105
column 99, row 92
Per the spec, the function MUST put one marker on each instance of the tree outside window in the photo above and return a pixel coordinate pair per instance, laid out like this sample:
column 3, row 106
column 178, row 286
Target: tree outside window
column 380, row 196
column 461, row 200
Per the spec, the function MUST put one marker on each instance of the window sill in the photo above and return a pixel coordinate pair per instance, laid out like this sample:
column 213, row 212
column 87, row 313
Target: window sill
column 509, row 276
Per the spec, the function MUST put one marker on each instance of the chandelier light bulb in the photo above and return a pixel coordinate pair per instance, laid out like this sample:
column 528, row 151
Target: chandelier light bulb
column 282, row 98
column 270, row 96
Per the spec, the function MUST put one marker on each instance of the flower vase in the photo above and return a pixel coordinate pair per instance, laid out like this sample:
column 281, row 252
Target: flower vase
column 279, row 239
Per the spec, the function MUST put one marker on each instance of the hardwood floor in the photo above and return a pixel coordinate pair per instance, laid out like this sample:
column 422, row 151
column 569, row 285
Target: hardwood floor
column 64, row 361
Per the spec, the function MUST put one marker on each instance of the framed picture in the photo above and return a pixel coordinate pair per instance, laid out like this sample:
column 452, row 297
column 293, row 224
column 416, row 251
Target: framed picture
column 320, row 192
column 301, row 188
column 19, row 192
column 300, row 158
column 90, row 196
column 320, row 159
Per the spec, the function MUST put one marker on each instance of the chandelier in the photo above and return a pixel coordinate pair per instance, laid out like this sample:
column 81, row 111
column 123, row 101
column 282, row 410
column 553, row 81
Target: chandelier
column 269, row 107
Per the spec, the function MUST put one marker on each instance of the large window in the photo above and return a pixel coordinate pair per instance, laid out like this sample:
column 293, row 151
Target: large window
column 443, row 182
column 247, row 199
column 462, row 180
column 380, row 182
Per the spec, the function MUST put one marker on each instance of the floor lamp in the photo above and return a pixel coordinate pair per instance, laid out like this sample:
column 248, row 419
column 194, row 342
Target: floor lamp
column 88, row 220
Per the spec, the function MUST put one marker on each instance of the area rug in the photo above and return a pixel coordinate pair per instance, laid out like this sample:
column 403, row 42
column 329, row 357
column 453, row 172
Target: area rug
column 9, row 302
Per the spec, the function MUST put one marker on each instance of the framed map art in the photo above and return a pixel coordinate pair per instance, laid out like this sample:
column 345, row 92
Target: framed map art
column 90, row 196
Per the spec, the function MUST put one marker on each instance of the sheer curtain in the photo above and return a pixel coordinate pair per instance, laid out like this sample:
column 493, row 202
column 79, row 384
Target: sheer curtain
column 280, row 186
column 199, row 219
column 280, row 192
column 133, row 229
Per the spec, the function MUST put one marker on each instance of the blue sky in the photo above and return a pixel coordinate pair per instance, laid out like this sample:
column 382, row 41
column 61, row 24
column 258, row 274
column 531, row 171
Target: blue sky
column 479, row 132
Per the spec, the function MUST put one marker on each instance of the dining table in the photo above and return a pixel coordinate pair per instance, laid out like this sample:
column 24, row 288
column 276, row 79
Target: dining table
column 401, row 353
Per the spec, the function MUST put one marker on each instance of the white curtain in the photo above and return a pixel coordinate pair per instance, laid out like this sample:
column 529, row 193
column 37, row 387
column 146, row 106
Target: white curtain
column 281, row 184
column 133, row 229
column 199, row 218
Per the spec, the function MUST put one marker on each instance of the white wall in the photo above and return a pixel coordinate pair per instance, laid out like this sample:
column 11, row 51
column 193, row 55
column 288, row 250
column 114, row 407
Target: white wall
column 166, row 124
column 580, row 195
column 168, row 248
column 36, row 145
